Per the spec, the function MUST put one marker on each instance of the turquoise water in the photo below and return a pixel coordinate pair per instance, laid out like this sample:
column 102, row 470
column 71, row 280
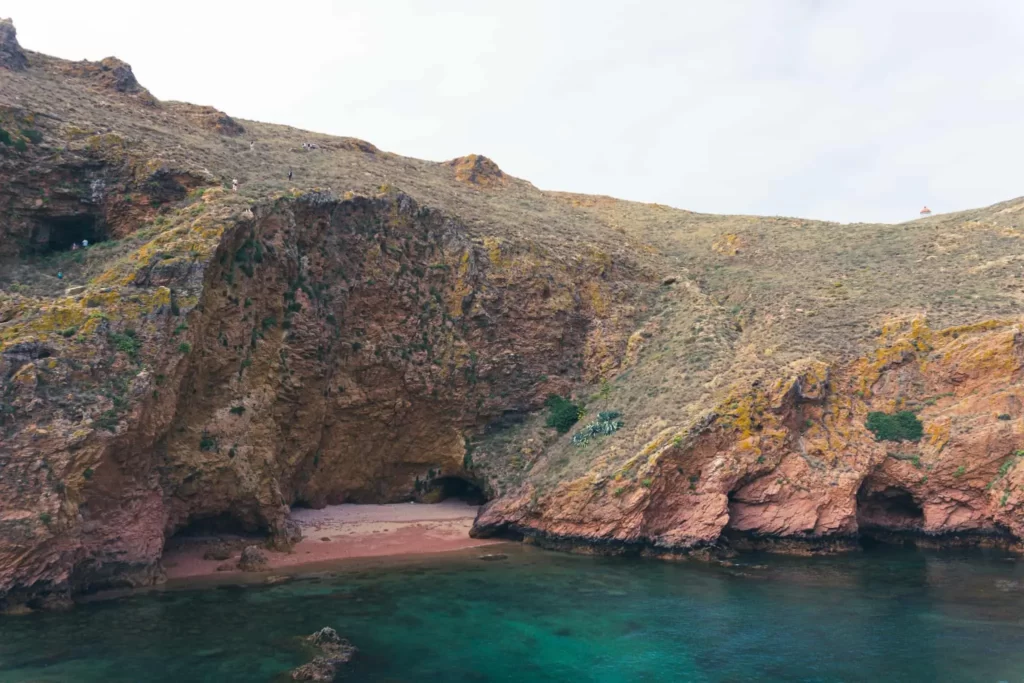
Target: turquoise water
column 884, row 615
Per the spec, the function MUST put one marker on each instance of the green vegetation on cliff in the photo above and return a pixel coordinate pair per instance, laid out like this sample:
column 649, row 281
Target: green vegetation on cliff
column 901, row 426
column 562, row 413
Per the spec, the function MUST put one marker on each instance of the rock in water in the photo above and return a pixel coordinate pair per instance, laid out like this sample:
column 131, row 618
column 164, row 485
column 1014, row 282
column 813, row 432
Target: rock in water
column 253, row 559
column 324, row 667
column 11, row 55
column 325, row 637
column 320, row 669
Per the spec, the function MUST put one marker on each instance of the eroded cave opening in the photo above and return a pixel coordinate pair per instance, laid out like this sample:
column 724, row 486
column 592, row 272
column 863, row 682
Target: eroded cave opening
column 887, row 509
column 457, row 488
column 216, row 525
column 60, row 233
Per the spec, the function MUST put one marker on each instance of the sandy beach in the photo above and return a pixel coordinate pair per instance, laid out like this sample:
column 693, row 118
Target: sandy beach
column 340, row 532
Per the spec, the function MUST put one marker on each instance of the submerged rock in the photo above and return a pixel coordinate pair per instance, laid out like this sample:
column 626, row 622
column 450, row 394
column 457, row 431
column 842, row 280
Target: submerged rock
column 494, row 557
column 275, row 579
column 320, row 669
column 324, row 667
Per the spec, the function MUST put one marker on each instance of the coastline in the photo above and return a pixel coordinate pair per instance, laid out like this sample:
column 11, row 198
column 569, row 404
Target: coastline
column 338, row 532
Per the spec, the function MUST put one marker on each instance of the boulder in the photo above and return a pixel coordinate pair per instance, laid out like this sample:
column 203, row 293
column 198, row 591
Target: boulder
column 253, row 559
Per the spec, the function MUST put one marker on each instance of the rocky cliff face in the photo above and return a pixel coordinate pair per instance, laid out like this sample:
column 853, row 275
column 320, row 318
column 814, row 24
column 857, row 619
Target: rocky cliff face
column 307, row 350
column 792, row 465
column 217, row 356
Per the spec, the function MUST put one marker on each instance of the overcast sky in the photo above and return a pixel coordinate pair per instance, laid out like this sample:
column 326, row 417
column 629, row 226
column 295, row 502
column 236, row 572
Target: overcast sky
column 848, row 110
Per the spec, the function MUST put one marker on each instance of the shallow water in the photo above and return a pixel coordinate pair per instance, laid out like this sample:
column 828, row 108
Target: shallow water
column 884, row 615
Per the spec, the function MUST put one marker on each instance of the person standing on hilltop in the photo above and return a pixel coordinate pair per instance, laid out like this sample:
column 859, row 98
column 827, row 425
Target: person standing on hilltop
column 289, row 174
column 252, row 145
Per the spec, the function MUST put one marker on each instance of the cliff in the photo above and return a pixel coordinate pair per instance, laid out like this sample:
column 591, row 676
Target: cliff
column 376, row 328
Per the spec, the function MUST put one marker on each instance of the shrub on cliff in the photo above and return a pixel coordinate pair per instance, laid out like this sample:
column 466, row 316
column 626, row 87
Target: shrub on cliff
column 562, row 413
column 901, row 426
column 127, row 342
column 607, row 423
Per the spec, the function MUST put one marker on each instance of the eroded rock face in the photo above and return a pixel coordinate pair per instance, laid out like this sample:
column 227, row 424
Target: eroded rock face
column 100, row 187
column 305, row 350
column 793, row 465
column 11, row 55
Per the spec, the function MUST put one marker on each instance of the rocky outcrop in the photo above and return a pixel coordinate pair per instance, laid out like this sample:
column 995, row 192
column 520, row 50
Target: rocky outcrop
column 332, row 652
column 110, row 74
column 253, row 559
column 12, row 57
column 208, row 118
column 793, row 466
column 477, row 169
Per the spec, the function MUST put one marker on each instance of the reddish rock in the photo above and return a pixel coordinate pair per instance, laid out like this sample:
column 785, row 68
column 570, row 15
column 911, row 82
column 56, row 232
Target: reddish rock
column 793, row 466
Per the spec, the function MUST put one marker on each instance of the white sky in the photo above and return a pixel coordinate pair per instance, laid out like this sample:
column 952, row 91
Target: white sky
column 849, row 110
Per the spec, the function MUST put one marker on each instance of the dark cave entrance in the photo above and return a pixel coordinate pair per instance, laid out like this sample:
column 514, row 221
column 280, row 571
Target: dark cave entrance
column 444, row 488
column 889, row 509
column 60, row 233
column 224, row 524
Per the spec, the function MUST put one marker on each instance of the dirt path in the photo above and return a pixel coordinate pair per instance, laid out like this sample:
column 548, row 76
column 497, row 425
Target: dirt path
column 340, row 532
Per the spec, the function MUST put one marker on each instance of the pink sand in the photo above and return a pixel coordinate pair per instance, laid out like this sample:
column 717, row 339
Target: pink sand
column 346, row 531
